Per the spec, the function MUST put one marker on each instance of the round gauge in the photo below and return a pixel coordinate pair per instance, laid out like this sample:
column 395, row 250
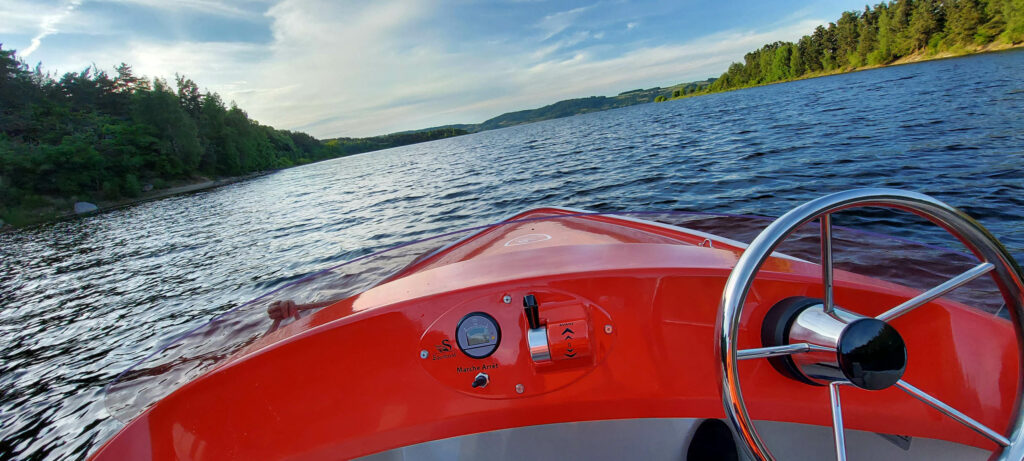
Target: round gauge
column 478, row 335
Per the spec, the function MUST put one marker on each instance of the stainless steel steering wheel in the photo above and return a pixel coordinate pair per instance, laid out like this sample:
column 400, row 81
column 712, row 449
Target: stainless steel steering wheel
column 826, row 333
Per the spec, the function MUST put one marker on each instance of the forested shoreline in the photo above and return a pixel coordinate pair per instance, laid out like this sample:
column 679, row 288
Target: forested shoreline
column 881, row 35
column 107, row 137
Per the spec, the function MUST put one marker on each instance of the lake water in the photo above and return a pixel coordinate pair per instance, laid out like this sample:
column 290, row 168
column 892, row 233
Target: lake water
column 86, row 298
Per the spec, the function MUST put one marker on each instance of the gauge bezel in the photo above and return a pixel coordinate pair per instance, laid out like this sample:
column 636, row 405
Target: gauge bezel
column 497, row 341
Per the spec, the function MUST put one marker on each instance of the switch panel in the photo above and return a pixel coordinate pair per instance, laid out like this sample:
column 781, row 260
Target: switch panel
column 569, row 340
column 485, row 348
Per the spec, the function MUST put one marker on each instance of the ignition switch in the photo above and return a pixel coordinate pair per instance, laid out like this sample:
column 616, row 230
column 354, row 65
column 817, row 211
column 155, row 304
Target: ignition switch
column 481, row 380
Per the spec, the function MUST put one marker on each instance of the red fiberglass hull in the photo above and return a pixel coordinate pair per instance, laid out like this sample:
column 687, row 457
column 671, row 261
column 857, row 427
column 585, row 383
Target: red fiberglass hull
column 382, row 370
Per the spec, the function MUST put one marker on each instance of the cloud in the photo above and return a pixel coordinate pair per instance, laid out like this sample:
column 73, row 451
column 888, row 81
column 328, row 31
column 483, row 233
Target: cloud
column 576, row 76
column 223, row 66
column 354, row 68
column 649, row 66
column 632, row 25
column 374, row 72
column 48, row 25
column 202, row 6
column 568, row 42
column 22, row 17
column 554, row 24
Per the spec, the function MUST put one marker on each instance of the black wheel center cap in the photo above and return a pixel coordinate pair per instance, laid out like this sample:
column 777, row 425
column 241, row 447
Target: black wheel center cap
column 872, row 354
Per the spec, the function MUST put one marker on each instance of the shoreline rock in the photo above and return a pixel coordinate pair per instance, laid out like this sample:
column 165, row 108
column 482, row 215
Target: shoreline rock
column 85, row 207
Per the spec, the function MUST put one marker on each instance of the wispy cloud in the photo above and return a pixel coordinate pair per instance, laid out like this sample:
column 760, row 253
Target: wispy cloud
column 222, row 8
column 554, row 24
column 568, row 42
column 49, row 25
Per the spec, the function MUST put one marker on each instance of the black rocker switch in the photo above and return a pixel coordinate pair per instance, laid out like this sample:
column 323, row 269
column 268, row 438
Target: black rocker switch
column 532, row 311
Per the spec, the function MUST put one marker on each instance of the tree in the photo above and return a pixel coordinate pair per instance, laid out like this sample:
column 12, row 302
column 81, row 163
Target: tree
column 780, row 59
column 902, row 10
column 17, row 92
column 962, row 21
column 212, row 133
column 189, row 96
column 867, row 39
column 925, row 21
column 887, row 37
column 179, row 147
column 126, row 82
column 1009, row 19
column 13, row 80
column 796, row 62
column 846, row 36
column 826, row 37
column 810, row 51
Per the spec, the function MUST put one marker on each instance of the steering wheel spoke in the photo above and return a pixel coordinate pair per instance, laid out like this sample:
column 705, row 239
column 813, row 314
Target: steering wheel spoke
column 937, row 292
column 953, row 413
column 837, row 419
column 777, row 351
column 826, row 261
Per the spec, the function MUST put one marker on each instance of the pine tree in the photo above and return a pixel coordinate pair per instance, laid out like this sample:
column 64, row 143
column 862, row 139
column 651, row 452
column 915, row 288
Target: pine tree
column 962, row 21
column 846, row 37
column 867, row 40
column 925, row 21
column 902, row 11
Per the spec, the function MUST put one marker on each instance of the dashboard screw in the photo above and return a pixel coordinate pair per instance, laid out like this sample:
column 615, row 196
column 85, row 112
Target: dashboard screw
column 424, row 354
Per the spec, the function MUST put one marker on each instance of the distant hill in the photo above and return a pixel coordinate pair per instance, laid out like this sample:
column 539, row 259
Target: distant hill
column 566, row 108
column 570, row 107
column 349, row 146
column 467, row 127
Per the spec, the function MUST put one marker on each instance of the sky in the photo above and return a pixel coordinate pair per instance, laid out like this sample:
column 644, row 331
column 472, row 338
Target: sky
column 337, row 68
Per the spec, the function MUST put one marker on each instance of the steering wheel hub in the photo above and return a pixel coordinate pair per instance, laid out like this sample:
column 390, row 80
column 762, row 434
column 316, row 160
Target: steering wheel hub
column 871, row 354
column 866, row 352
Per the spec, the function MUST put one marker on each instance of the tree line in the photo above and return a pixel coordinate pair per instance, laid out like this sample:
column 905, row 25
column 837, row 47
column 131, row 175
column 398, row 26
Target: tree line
column 348, row 146
column 880, row 35
column 93, row 135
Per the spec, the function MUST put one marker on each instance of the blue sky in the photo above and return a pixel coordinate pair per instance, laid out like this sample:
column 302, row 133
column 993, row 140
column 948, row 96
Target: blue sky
column 361, row 68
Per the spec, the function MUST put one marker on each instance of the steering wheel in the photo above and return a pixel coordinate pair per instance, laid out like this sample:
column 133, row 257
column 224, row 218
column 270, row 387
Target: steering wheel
column 827, row 345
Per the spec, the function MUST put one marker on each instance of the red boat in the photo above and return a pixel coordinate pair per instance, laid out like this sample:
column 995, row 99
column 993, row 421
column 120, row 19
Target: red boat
column 561, row 334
